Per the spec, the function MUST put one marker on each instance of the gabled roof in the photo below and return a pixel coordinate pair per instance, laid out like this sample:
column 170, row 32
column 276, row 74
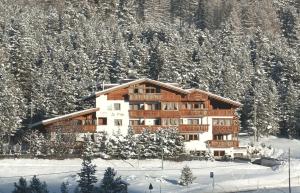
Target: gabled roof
column 64, row 117
column 144, row 80
column 165, row 85
column 217, row 97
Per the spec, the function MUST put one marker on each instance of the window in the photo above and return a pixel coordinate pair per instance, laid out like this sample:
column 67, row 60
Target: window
column 88, row 122
column 193, row 137
column 136, row 122
column 157, row 122
column 186, row 106
column 153, row 106
column 170, row 121
column 150, row 90
column 117, row 106
column 102, row 121
column 136, row 106
column 181, row 121
column 193, row 121
column 219, row 153
column 199, row 105
column 170, row 106
column 221, row 137
column 118, row 122
column 221, row 122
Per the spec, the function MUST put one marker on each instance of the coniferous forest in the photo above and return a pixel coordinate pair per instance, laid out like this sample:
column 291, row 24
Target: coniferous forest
column 54, row 52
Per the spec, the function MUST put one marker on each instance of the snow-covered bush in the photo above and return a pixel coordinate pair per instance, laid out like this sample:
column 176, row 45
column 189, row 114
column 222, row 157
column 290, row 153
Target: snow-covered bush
column 260, row 150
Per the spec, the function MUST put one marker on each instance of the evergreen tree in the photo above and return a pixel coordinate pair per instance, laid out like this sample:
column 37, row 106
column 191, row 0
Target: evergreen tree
column 288, row 24
column 186, row 177
column 155, row 62
column 64, row 187
column 36, row 186
column 21, row 187
column 111, row 184
column 11, row 104
column 87, row 173
column 200, row 16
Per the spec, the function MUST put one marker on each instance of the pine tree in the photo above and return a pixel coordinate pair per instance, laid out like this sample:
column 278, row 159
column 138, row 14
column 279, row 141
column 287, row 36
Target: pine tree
column 21, row 187
column 200, row 16
column 64, row 187
column 186, row 177
column 87, row 174
column 11, row 104
column 111, row 184
column 288, row 24
column 36, row 186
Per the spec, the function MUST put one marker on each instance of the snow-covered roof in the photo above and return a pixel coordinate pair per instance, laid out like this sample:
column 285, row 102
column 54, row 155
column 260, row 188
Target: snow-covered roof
column 63, row 117
column 217, row 97
column 144, row 80
column 170, row 86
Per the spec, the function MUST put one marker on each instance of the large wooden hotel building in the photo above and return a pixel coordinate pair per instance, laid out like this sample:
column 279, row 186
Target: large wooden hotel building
column 207, row 122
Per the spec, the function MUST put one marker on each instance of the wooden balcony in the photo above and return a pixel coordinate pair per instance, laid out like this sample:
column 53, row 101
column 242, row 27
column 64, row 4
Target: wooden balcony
column 72, row 128
column 153, row 114
column 193, row 128
column 225, row 129
column 138, row 129
column 221, row 112
column 223, row 143
column 145, row 97
column 193, row 112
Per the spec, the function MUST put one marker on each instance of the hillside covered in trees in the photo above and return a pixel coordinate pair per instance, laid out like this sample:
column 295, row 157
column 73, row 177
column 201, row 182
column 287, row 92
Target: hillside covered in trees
column 54, row 52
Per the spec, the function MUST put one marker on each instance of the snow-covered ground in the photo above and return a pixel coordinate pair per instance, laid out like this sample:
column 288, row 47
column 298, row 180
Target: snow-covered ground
column 229, row 176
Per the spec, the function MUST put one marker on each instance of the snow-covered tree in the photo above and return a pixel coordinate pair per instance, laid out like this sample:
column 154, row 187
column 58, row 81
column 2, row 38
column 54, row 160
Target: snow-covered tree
column 87, row 173
column 112, row 184
column 186, row 177
column 11, row 104
column 36, row 186
column 21, row 186
column 37, row 143
column 64, row 187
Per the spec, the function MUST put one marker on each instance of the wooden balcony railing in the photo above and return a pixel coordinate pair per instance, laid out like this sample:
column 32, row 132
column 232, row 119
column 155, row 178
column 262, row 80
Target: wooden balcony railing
column 72, row 128
column 223, row 143
column 193, row 112
column 138, row 129
column 225, row 129
column 153, row 114
column 193, row 128
column 221, row 112
column 145, row 97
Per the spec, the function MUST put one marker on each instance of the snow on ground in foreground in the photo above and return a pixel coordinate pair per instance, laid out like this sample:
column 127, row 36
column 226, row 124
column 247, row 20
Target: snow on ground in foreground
column 229, row 176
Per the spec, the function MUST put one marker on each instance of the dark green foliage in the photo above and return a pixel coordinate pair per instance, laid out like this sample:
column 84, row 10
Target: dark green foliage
column 112, row 184
column 36, row 186
column 21, row 186
column 87, row 173
column 64, row 187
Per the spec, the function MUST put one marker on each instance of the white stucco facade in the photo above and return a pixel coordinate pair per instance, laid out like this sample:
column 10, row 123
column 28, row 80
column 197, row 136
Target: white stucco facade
column 107, row 110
